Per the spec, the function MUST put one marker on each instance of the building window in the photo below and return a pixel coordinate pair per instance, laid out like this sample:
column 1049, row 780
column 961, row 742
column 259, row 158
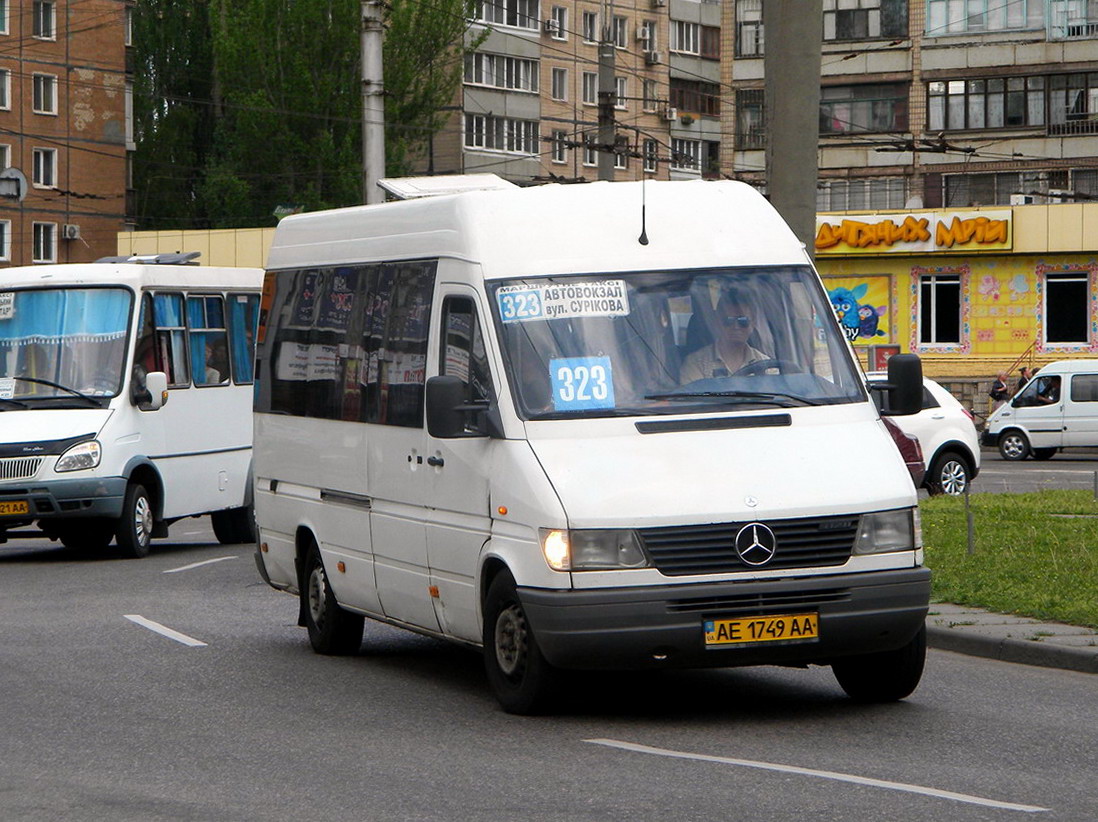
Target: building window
column 959, row 16
column 621, row 93
column 939, row 308
column 649, row 100
column 750, row 118
column 621, row 159
column 651, row 156
column 506, row 134
column 521, row 14
column 710, row 45
column 878, row 107
column 1072, row 19
column 685, row 37
column 5, row 155
column 868, row 194
column 5, row 240
column 647, row 34
column 4, row 12
column 864, row 19
column 1073, row 103
column 559, row 90
column 501, row 71
column 559, row 18
column 685, row 155
column 560, row 148
column 749, row 28
column 127, row 23
column 619, row 31
column 696, row 97
column 590, row 155
column 996, row 188
column 5, row 89
column 997, row 102
column 44, row 174
column 44, row 96
column 44, row 22
column 1066, row 307
column 44, row 243
column 590, row 88
column 590, row 27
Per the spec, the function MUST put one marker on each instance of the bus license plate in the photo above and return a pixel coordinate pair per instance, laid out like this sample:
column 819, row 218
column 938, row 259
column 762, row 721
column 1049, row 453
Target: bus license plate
column 10, row 509
column 750, row 630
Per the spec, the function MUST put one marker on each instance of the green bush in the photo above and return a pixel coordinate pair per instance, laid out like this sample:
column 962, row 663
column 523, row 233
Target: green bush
column 1034, row 555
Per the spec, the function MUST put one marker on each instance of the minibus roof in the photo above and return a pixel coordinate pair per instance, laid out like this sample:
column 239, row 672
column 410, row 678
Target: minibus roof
column 552, row 229
column 134, row 275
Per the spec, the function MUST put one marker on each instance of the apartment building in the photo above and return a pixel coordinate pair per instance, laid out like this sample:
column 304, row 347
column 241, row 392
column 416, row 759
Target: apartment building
column 64, row 129
column 937, row 103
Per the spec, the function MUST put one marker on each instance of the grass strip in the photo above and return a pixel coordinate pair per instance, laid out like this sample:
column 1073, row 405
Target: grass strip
column 1035, row 555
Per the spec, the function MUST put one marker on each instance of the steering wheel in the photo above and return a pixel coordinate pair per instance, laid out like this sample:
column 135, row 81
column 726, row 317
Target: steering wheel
column 759, row 366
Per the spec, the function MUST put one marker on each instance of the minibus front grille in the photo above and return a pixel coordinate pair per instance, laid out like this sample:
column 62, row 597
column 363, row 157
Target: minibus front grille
column 760, row 603
column 711, row 549
column 14, row 468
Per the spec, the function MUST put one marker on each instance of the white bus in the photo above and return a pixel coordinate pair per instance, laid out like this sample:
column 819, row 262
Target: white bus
column 581, row 432
column 125, row 400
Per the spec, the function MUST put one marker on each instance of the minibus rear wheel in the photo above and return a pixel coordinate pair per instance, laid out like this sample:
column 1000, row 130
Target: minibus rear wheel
column 332, row 630
column 521, row 677
column 887, row 676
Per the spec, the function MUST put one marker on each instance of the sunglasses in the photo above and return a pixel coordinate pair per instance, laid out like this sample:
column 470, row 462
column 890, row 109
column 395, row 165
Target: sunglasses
column 741, row 321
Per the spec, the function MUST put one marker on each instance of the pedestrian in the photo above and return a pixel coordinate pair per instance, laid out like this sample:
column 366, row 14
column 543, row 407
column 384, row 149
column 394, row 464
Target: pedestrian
column 1024, row 376
column 999, row 390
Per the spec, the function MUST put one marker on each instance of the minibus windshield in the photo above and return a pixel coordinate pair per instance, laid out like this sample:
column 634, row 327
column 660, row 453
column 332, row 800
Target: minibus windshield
column 63, row 344
column 666, row 342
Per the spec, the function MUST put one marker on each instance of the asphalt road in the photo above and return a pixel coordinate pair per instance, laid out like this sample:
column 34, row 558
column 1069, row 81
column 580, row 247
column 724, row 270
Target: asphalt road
column 1075, row 469
column 108, row 717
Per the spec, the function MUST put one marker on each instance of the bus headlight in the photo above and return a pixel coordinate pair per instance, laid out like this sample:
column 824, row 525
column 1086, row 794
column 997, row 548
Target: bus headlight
column 80, row 457
column 592, row 550
column 885, row 531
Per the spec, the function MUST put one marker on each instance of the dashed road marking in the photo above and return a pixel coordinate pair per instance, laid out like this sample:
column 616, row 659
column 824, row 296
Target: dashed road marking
column 163, row 630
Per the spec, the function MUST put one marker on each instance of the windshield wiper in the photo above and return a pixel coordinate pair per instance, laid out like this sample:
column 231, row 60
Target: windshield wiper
column 773, row 396
column 51, row 384
column 16, row 403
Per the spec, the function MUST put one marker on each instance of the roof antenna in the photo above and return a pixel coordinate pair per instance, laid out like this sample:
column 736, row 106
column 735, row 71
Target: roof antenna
column 643, row 238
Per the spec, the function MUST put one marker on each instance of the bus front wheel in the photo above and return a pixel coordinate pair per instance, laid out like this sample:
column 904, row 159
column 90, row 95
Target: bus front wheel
column 521, row 677
column 135, row 526
column 887, row 676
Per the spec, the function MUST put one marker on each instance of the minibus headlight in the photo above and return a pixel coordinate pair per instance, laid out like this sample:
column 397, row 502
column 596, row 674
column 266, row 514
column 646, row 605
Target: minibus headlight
column 592, row 550
column 885, row 531
column 81, row 456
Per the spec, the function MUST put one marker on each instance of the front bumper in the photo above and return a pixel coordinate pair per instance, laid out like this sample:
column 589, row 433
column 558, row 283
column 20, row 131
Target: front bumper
column 65, row 499
column 989, row 439
column 654, row 627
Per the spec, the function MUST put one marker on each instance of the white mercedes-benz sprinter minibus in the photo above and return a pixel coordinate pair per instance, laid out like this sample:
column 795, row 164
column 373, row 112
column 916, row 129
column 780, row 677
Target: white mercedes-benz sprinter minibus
column 125, row 400
column 594, row 426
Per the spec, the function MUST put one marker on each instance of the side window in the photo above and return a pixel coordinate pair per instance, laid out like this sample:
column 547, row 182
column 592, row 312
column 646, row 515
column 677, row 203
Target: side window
column 171, row 345
column 402, row 369
column 243, row 318
column 1084, row 388
column 208, row 339
column 463, row 353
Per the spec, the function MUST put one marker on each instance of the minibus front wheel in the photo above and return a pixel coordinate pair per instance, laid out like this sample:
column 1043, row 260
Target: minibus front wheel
column 886, row 676
column 135, row 526
column 521, row 677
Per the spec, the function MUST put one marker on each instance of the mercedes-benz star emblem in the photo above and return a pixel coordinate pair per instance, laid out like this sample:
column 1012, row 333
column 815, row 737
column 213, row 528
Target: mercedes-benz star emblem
column 756, row 544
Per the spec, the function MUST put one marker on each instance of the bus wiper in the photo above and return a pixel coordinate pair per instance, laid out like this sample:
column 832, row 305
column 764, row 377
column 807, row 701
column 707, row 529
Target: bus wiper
column 16, row 403
column 51, row 384
column 774, row 396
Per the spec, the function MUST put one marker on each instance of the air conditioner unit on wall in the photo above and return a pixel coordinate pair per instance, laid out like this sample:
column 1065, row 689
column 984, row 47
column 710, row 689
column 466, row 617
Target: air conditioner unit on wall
column 1059, row 195
column 659, row 3
column 642, row 33
column 670, row 114
column 1021, row 199
column 70, row 231
column 551, row 26
column 653, row 58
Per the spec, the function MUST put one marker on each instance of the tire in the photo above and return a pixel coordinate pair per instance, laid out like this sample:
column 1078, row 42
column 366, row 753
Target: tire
column 332, row 630
column 1013, row 445
column 1043, row 453
column 234, row 525
column 87, row 535
column 135, row 526
column 883, row 677
column 949, row 474
column 520, row 676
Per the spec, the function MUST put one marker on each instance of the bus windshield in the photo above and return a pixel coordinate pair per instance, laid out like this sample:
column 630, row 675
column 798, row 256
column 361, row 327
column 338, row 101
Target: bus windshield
column 665, row 342
column 63, row 342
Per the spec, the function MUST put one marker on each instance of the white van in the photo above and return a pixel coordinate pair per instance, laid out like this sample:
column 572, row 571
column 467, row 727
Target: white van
column 1056, row 409
column 612, row 425
column 125, row 400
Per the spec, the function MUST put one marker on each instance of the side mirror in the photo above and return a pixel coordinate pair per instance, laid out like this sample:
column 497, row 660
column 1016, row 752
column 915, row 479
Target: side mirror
column 905, row 384
column 448, row 412
column 156, row 383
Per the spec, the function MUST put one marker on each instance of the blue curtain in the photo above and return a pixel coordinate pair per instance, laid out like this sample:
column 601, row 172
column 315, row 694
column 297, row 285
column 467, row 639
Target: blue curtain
column 49, row 315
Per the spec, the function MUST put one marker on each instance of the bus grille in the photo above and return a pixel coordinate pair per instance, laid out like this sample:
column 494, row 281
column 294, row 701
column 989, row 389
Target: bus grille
column 19, row 467
column 710, row 549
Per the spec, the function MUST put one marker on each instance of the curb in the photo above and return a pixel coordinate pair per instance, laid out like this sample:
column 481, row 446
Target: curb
column 1007, row 649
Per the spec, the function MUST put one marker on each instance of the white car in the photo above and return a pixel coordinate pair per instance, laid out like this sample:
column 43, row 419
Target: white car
column 951, row 445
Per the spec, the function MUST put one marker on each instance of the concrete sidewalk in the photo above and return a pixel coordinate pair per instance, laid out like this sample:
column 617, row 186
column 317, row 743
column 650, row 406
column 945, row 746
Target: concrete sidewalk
column 1011, row 638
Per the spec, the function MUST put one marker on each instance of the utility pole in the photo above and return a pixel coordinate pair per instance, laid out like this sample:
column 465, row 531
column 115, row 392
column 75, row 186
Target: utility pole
column 607, row 100
column 792, row 65
column 373, row 103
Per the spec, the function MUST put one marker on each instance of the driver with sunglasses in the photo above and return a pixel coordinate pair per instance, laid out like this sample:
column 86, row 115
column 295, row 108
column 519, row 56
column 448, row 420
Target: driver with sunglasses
column 730, row 351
